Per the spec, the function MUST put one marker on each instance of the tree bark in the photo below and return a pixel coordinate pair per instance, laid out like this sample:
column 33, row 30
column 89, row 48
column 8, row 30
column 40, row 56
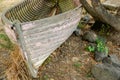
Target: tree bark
column 99, row 13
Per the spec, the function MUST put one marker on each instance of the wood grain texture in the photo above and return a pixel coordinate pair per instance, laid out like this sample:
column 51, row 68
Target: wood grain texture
column 38, row 38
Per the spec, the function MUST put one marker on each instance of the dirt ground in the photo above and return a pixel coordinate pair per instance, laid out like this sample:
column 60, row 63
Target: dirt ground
column 71, row 61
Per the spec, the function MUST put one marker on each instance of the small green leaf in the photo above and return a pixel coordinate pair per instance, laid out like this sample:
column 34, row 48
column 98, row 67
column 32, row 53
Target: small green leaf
column 100, row 46
column 91, row 48
column 106, row 50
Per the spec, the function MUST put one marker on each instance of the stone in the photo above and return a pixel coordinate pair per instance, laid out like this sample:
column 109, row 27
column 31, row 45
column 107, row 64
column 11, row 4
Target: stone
column 109, row 69
column 90, row 36
column 85, row 19
column 107, row 60
column 78, row 32
column 93, row 44
column 99, row 56
column 113, row 60
column 106, row 72
column 104, row 40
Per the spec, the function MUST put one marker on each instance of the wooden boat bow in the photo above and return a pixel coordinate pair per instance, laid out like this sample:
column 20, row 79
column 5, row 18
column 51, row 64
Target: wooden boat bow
column 38, row 35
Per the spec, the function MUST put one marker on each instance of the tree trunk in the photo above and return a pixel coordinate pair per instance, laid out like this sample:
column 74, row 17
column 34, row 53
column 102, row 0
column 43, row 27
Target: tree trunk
column 99, row 13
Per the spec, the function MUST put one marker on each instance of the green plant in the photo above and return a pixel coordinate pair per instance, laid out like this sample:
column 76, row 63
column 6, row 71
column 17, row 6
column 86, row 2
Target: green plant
column 91, row 48
column 5, row 42
column 101, row 47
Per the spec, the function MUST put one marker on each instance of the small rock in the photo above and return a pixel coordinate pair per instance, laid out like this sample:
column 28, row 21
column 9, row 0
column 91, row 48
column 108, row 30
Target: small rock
column 99, row 56
column 90, row 36
column 78, row 32
column 85, row 19
column 113, row 60
column 75, row 59
column 106, row 72
column 107, row 60
column 93, row 44
column 104, row 40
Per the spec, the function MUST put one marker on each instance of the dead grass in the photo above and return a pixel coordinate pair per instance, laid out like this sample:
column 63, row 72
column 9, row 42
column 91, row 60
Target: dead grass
column 5, row 4
column 4, row 62
column 18, row 69
column 5, row 42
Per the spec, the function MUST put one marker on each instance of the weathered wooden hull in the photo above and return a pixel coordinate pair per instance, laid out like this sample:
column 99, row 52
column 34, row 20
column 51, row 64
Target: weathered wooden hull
column 39, row 38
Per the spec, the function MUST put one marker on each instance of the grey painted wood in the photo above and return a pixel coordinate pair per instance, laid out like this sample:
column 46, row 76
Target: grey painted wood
column 39, row 38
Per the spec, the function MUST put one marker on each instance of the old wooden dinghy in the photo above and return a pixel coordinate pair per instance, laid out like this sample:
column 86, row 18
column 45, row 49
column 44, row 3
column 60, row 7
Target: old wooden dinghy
column 40, row 26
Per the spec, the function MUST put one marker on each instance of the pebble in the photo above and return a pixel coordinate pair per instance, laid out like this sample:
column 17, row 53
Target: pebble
column 109, row 69
column 78, row 32
column 99, row 56
column 90, row 36
column 85, row 19
column 75, row 59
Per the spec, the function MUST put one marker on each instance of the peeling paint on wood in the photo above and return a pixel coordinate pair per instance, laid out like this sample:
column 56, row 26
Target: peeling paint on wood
column 39, row 38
